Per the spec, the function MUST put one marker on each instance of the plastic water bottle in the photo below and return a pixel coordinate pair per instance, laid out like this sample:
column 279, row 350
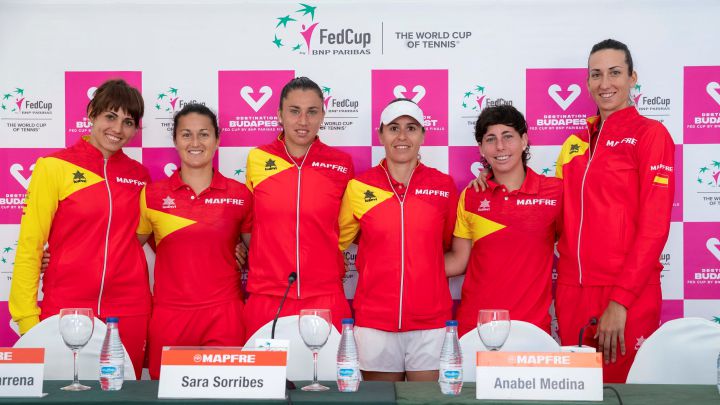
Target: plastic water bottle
column 348, row 367
column 451, row 370
column 112, row 358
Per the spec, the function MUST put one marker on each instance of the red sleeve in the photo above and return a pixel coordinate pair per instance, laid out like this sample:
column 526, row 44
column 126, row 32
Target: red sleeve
column 247, row 221
column 559, row 218
column 450, row 216
column 655, row 155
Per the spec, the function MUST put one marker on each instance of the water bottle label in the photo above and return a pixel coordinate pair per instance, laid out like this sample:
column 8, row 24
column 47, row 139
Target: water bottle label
column 346, row 372
column 451, row 374
column 108, row 370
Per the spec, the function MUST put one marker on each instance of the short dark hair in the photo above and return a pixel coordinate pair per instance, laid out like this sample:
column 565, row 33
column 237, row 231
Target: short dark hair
column 502, row 115
column 116, row 94
column 194, row 108
column 616, row 45
column 301, row 83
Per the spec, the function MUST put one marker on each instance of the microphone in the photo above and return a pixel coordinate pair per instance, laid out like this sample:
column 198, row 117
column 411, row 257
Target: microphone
column 592, row 321
column 291, row 280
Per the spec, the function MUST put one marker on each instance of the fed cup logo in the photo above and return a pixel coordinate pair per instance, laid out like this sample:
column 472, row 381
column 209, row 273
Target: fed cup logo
column 13, row 100
column 709, row 174
column 571, row 94
column 297, row 31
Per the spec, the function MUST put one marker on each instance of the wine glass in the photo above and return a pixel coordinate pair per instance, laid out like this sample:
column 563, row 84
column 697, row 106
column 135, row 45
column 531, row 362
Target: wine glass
column 493, row 327
column 314, row 326
column 76, row 328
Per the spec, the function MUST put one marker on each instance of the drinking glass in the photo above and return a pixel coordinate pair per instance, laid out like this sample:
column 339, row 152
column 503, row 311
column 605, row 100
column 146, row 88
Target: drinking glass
column 314, row 326
column 76, row 328
column 493, row 327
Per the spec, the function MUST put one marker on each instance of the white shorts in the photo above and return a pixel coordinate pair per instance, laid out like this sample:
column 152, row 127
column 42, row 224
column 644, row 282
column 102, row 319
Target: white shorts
column 397, row 352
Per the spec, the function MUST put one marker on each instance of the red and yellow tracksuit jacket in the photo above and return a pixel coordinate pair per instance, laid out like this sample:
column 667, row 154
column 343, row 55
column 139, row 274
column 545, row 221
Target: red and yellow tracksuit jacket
column 295, row 221
column 86, row 208
column 513, row 239
column 617, row 202
column 402, row 284
column 195, row 238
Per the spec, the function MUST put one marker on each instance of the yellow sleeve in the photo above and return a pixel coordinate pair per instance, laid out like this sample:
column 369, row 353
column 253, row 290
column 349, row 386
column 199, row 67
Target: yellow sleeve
column 463, row 229
column 144, row 226
column 249, row 172
column 42, row 201
column 572, row 147
column 349, row 225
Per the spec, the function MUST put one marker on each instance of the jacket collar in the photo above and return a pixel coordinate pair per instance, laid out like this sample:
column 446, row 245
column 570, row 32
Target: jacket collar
column 530, row 186
column 218, row 182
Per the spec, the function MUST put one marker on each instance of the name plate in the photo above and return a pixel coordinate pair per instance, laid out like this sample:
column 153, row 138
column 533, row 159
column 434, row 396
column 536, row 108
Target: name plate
column 21, row 372
column 539, row 376
column 221, row 372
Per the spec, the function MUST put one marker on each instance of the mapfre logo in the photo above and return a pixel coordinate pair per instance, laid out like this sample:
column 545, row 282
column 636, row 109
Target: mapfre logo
column 299, row 30
column 134, row 182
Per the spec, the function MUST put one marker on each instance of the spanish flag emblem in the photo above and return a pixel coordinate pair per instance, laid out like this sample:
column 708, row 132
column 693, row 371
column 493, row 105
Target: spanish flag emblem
column 660, row 180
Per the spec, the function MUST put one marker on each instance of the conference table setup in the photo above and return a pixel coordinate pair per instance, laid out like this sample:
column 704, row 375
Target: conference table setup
column 502, row 362
column 376, row 393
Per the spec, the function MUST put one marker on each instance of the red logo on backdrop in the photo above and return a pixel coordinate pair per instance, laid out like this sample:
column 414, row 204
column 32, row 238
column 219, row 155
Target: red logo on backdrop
column 248, row 105
column 79, row 90
column 16, row 166
column 558, row 104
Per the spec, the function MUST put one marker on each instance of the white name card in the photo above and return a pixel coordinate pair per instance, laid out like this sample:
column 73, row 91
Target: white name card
column 539, row 376
column 21, row 372
column 221, row 372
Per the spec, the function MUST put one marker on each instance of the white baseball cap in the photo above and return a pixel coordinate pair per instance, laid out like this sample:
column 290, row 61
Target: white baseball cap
column 398, row 109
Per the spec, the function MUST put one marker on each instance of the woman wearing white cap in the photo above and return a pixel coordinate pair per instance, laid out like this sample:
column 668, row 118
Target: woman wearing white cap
column 405, row 214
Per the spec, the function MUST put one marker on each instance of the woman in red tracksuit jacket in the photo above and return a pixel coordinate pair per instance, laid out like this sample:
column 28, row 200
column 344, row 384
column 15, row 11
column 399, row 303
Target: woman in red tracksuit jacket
column 618, row 178
column 297, row 182
column 405, row 214
column 83, row 202
column 197, row 216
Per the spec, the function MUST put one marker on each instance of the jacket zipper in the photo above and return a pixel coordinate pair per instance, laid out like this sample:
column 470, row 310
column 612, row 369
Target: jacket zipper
column 402, row 239
column 107, row 236
column 297, row 214
column 582, row 194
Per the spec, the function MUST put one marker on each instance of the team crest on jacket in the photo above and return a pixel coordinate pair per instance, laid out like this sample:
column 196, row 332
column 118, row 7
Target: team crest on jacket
column 168, row 202
column 270, row 165
column 484, row 205
column 370, row 196
column 79, row 177
column 574, row 148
